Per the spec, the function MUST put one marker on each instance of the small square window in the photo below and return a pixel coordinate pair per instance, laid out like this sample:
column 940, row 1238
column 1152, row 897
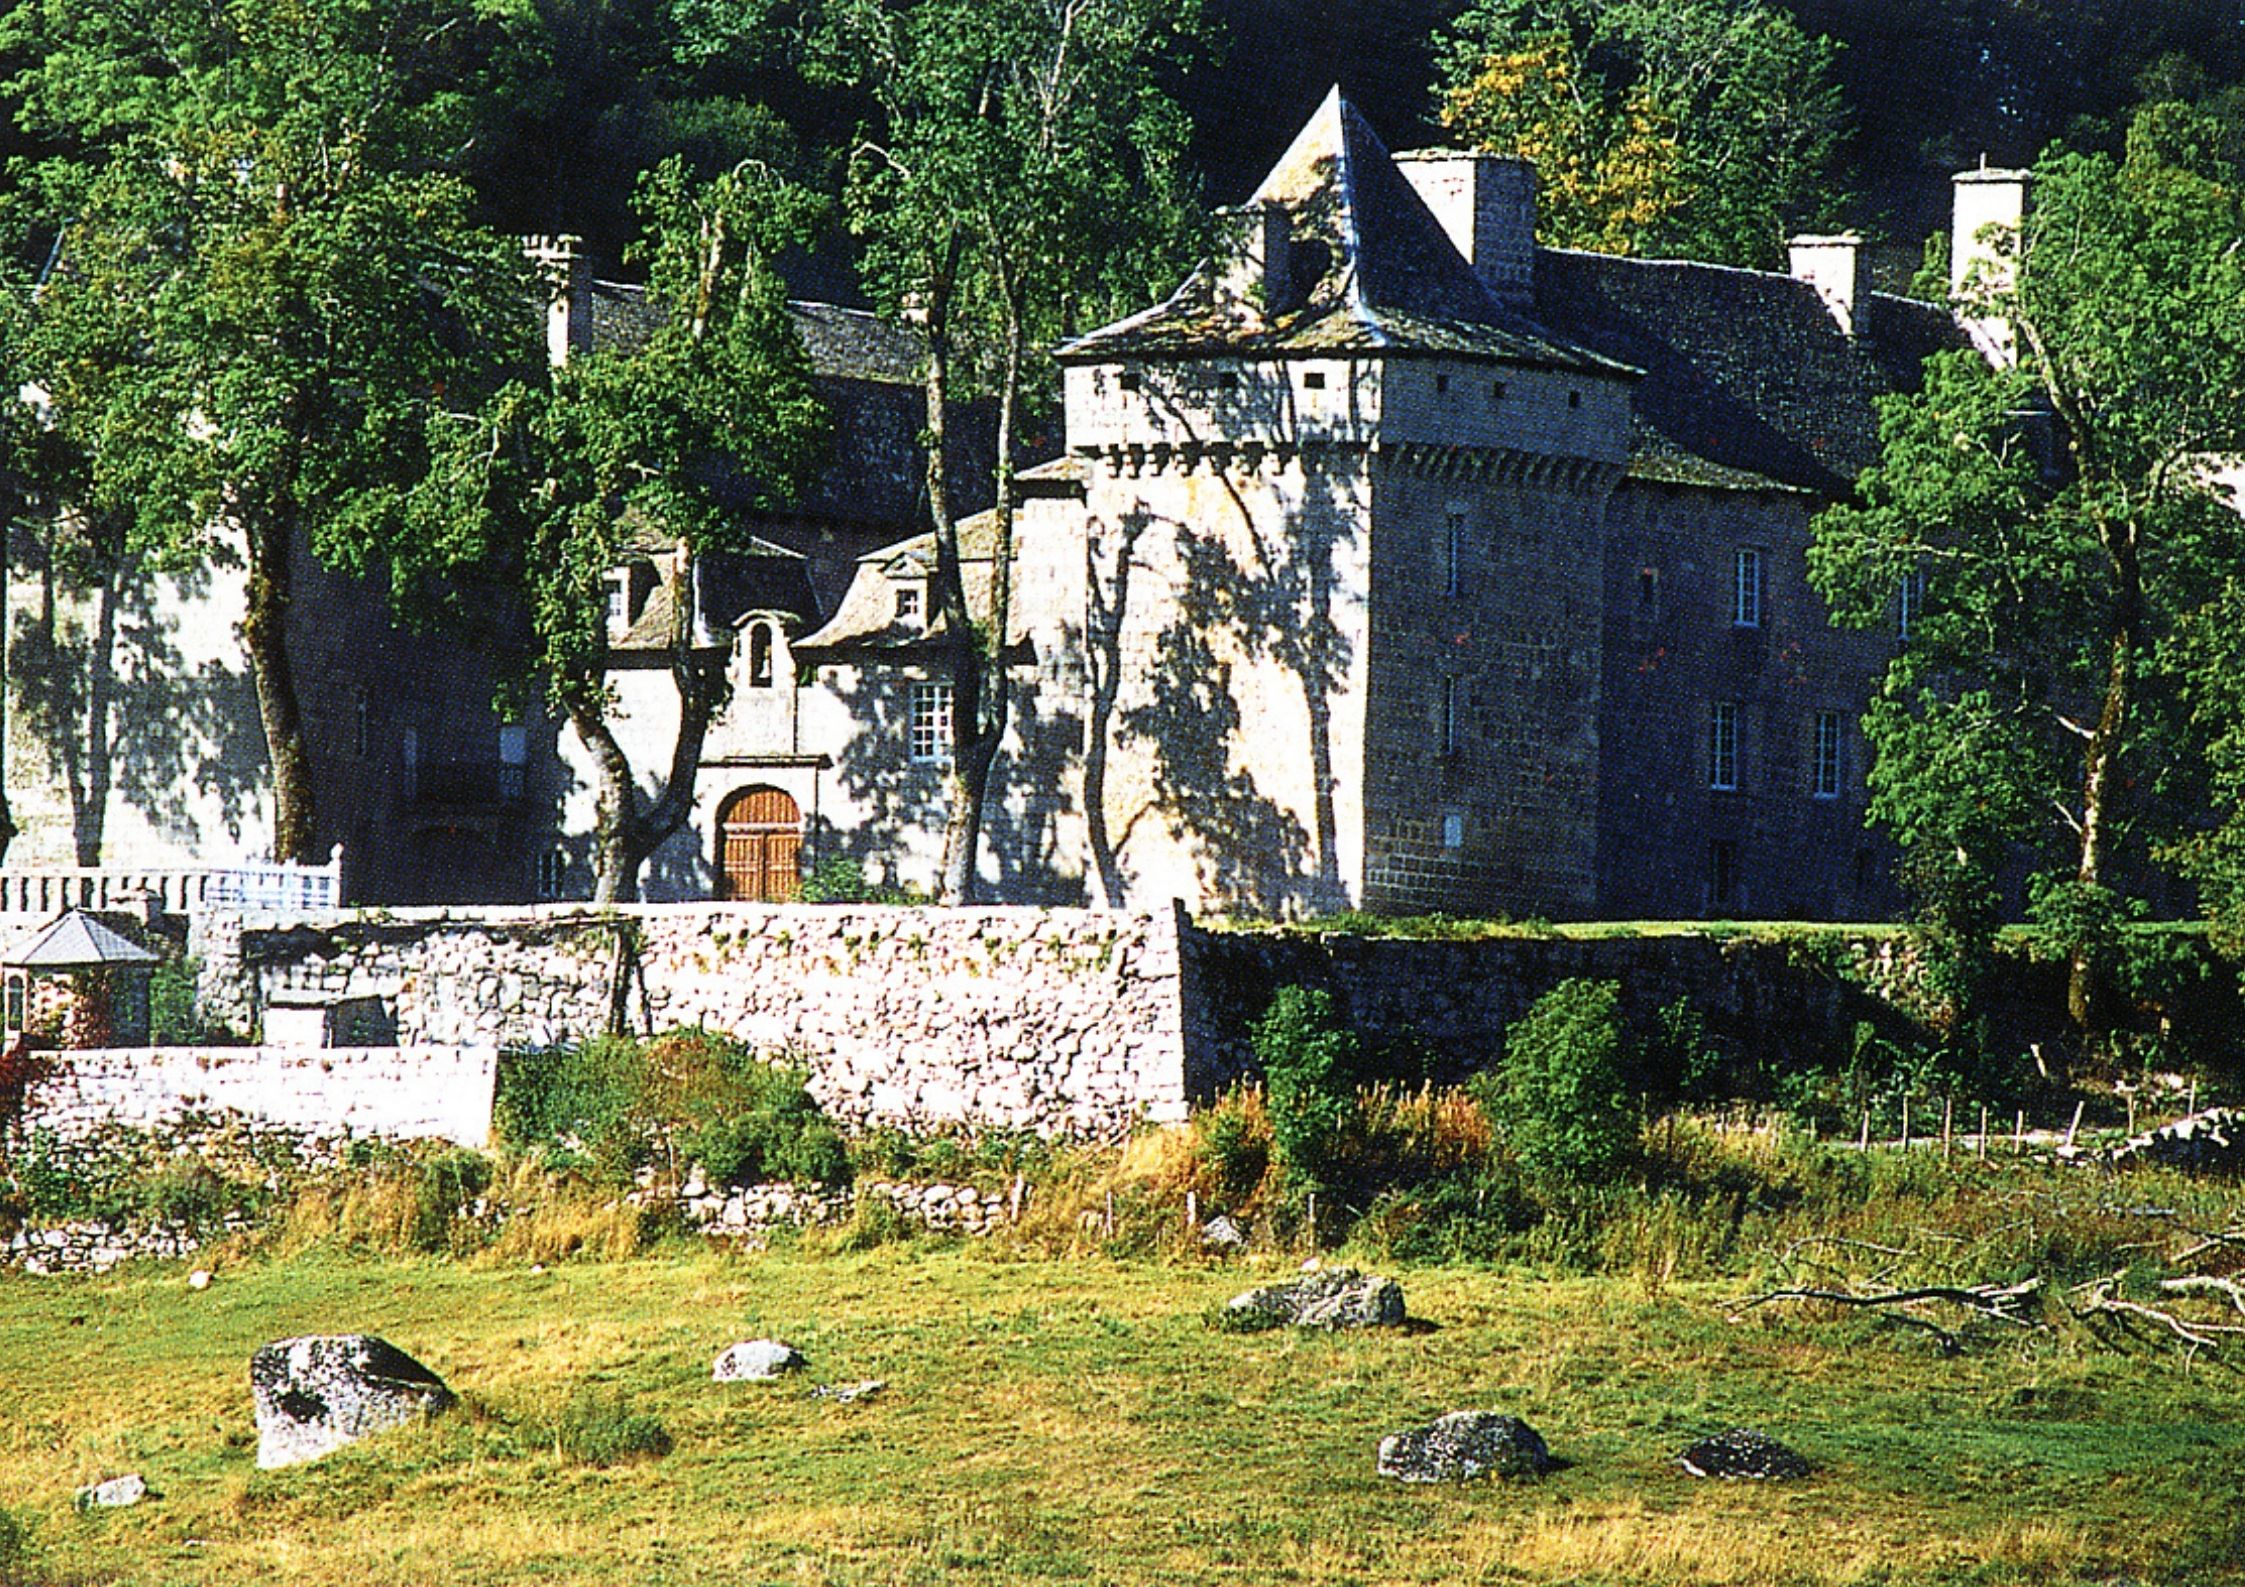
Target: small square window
column 1313, row 380
column 930, row 727
column 1722, row 746
column 1496, row 391
column 553, row 874
column 907, row 602
column 1129, row 380
column 1441, row 384
column 1574, row 399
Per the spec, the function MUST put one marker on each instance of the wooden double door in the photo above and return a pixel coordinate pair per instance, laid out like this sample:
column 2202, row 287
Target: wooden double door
column 760, row 847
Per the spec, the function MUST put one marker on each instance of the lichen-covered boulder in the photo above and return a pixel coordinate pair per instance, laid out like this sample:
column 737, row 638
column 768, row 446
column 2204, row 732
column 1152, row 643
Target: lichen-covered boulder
column 1338, row 1297
column 318, row 1393
column 2212, row 1141
column 116, row 1494
column 1462, row 1446
column 1743, row 1453
column 755, row 1361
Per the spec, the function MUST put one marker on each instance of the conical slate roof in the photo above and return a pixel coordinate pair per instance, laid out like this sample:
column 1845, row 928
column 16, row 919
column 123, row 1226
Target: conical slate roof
column 1374, row 272
column 80, row 942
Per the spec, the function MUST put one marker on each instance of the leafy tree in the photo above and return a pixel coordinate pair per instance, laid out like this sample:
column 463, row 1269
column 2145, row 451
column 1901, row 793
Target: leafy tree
column 1019, row 175
column 670, row 442
column 2043, row 701
column 1309, row 1061
column 1709, row 129
column 270, row 279
column 1561, row 1092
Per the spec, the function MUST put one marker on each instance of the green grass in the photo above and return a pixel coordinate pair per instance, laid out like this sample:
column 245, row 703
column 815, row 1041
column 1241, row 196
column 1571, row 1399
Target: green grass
column 1078, row 1421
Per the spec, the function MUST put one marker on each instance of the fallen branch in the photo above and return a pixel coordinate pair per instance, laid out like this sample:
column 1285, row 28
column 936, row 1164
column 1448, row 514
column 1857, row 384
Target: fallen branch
column 2100, row 1301
column 1996, row 1303
column 2205, row 1283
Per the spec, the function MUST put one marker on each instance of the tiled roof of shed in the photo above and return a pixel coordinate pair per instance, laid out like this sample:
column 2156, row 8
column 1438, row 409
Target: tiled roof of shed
column 1747, row 373
column 1374, row 272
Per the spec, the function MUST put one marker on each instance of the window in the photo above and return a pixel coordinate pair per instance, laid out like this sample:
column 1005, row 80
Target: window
column 1909, row 600
column 362, row 726
column 931, row 723
column 553, row 873
column 1826, row 782
column 907, row 603
column 1496, row 391
column 1313, row 380
column 1746, row 588
column 1450, row 725
column 1453, row 831
column 1574, row 399
column 1648, row 588
column 409, row 765
column 1129, row 380
column 1441, row 384
column 18, row 988
column 760, row 655
column 514, row 760
column 1722, row 746
column 1722, row 874
column 619, row 600
column 1453, row 555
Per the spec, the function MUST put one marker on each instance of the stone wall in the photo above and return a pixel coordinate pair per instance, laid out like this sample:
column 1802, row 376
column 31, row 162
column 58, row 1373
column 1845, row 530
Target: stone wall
column 1060, row 1021
column 398, row 1093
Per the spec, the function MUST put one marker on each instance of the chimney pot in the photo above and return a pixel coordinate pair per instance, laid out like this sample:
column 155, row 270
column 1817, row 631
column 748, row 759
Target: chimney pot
column 1834, row 267
column 1487, row 205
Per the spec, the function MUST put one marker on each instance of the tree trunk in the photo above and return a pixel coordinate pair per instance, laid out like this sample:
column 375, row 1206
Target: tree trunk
column 7, row 555
column 626, row 832
column 265, row 637
column 92, row 791
column 2084, row 975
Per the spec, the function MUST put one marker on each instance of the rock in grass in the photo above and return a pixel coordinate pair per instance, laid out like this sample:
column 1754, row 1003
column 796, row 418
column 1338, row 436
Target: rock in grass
column 115, row 1494
column 1338, row 1297
column 1222, row 1233
column 755, row 1361
column 845, row 1393
column 1462, row 1446
column 1743, row 1453
column 318, row 1393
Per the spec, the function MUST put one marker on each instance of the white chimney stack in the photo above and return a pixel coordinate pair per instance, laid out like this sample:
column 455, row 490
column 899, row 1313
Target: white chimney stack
column 1487, row 205
column 567, row 274
column 1988, row 220
column 1834, row 267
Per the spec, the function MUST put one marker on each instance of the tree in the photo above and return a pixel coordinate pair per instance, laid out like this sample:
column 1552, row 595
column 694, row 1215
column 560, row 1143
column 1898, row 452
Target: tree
column 1708, row 129
column 2042, row 703
column 672, row 441
column 277, row 281
column 1020, row 174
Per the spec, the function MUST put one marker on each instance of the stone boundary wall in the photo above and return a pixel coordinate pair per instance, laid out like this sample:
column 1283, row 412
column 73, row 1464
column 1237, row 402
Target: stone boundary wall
column 422, row 1093
column 1058, row 1021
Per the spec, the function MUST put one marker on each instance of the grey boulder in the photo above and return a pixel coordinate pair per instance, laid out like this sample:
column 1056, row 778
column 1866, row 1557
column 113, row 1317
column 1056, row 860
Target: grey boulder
column 115, row 1494
column 2212, row 1141
column 1338, row 1297
column 1222, row 1233
column 1743, row 1453
column 318, row 1393
column 755, row 1361
column 1462, row 1446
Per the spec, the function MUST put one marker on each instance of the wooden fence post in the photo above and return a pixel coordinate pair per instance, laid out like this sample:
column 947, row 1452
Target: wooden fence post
column 1948, row 1111
column 1983, row 1132
column 1905, row 1124
column 2075, row 1125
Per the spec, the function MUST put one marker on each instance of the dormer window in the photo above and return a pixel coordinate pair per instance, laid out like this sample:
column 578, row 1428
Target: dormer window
column 908, row 604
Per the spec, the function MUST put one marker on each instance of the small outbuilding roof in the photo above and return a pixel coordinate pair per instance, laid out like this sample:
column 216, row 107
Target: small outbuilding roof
column 78, row 941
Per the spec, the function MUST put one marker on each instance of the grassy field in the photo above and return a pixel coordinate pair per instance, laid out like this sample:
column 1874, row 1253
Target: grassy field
column 1077, row 1420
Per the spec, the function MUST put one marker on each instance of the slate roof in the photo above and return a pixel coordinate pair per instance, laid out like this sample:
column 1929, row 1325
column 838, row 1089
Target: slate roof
column 760, row 577
column 867, row 617
column 79, row 941
column 1749, row 381
column 1373, row 273
column 843, row 343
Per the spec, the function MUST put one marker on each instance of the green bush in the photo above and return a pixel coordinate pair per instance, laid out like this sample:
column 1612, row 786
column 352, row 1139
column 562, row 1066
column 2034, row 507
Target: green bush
column 15, row 1544
column 1234, row 1144
column 172, row 1017
column 1560, row 1092
column 448, row 1184
column 597, row 1429
column 1309, row 1073
column 189, row 1194
column 591, row 1097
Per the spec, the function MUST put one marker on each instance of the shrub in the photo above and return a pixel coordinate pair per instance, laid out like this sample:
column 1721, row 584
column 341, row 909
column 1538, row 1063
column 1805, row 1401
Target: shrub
column 1560, row 1090
column 189, row 1194
column 592, row 1096
column 597, row 1429
column 1309, row 1069
column 758, row 1121
column 448, row 1184
column 172, row 1017
column 15, row 1543
column 1235, row 1144
column 839, row 880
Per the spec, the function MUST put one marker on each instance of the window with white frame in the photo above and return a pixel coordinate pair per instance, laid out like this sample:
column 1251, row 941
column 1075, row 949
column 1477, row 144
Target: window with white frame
column 931, row 723
column 1722, row 746
column 1826, row 760
column 907, row 603
column 1909, row 600
column 1453, row 554
column 619, row 600
column 1746, row 587
column 760, row 655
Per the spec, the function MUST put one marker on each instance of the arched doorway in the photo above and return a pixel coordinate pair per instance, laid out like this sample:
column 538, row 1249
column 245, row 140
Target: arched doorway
column 759, row 847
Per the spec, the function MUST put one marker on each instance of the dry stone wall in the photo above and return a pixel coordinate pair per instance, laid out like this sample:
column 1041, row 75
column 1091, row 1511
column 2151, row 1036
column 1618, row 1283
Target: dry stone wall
column 1059, row 1021
column 422, row 1093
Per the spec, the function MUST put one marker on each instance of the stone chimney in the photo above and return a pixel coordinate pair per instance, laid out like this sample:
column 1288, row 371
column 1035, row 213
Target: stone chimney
column 1989, row 217
column 1834, row 267
column 1256, row 244
column 1487, row 205
column 567, row 274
